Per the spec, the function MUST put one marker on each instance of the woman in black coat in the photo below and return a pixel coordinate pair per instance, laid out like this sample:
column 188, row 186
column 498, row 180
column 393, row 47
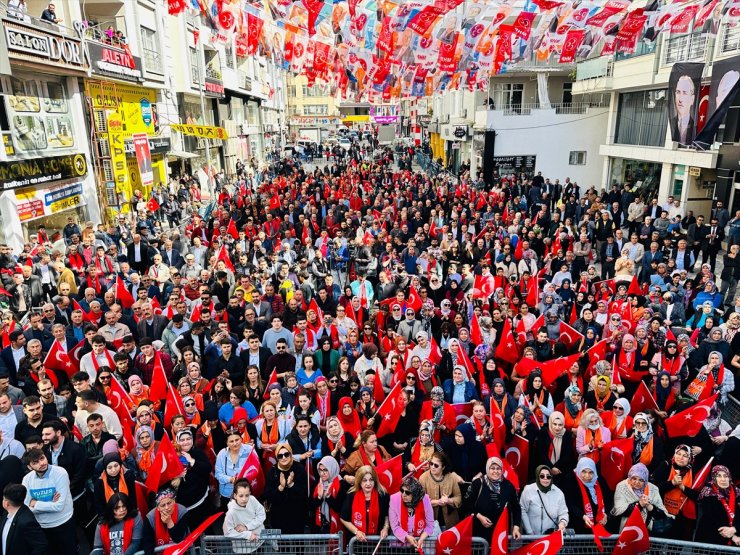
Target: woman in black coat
column 114, row 479
column 554, row 448
column 674, row 479
column 718, row 502
column 192, row 490
column 486, row 498
column 588, row 497
column 286, row 490
column 466, row 453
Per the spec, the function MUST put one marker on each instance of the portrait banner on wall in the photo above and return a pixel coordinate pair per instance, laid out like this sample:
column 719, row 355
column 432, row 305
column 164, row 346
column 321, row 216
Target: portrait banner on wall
column 724, row 87
column 684, row 86
column 144, row 159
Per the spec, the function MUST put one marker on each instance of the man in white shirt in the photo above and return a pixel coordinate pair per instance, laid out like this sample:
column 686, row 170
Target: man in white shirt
column 99, row 356
column 87, row 404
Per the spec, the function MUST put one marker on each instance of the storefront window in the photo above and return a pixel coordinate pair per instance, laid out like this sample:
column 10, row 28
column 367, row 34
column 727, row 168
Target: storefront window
column 642, row 118
column 645, row 176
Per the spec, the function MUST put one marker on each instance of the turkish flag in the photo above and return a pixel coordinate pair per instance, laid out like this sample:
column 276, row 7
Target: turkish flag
column 457, row 540
column 688, row 422
column 123, row 295
column 549, row 545
column 500, row 536
column 569, row 336
column 634, row 288
column 435, row 356
column 497, row 425
column 158, row 388
column 184, row 546
column 616, row 460
column 56, row 359
column 642, row 400
column 313, row 305
column 597, row 353
column 517, row 455
column 708, row 389
column 252, row 471
column 141, row 500
column 521, row 334
column 390, row 474
column 118, row 397
column 152, row 205
column 689, row 507
column 271, row 380
column 703, row 107
column 173, row 406
column 390, row 411
column 224, row 255
column 274, row 202
column 483, row 287
column 465, row 361
column 414, row 299
column 231, row 230
column 74, row 354
column 463, row 411
column 507, row 349
column 533, row 293
column 165, row 467
column 634, row 537
column 476, row 335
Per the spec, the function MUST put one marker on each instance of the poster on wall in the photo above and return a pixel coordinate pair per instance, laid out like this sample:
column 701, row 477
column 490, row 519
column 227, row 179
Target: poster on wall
column 117, row 152
column 683, row 86
column 34, row 202
column 144, row 159
column 722, row 91
column 137, row 105
column 38, row 117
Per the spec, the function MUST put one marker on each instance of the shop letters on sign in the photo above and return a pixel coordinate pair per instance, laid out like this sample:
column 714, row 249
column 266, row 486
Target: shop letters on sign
column 201, row 131
column 37, row 171
column 54, row 49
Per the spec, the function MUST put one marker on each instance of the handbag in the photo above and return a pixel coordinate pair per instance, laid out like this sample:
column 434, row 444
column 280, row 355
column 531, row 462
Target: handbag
column 659, row 524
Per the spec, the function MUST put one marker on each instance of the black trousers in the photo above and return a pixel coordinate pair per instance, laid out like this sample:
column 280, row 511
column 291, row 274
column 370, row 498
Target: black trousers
column 64, row 537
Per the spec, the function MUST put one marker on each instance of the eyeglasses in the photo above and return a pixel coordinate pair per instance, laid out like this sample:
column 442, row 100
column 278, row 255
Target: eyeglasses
column 283, row 456
column 545, row 477
column 321, row 469
column 333, row 380
column 412, row 378
column 435, row 465
column 405, row 492
column 190, row 404
column 104, row 378
column 617, row 407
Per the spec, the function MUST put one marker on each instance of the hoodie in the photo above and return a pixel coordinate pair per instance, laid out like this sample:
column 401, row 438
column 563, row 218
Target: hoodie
column 252, row 517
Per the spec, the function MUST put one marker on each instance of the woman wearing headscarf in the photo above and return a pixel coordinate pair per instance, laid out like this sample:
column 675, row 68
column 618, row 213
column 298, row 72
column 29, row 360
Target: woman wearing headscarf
column 670, row 360
column 543, row 504
column 410, row 514
column 618, row 420
column 286, row 488
column 145, row 450
column 588, row 499
column 555, row 447
column 714, row 342
column 486, row 498
column 664, row 394
column 194, row 482
column 719, row 513
column 419, row 451
column 467, row 455
column 674, row 479
column 537, row 399
column 442, row 486
column 647, row 447
column 365, row 509
column 722, row 380
column 459, row 389
column 327, row 359
column 115, row 478
column 165, row 523
column 502, row 400
column 348, row 417
column 440, row 413
column 637, row 491
column 571, row 408
column 591, row 435
column 335, row 442
column 328, row 497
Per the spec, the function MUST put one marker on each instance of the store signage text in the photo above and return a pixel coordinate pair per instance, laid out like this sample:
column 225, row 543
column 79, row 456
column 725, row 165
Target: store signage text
column 49, row 49
column 114, row 62
column 214, row 87
column 22, row 173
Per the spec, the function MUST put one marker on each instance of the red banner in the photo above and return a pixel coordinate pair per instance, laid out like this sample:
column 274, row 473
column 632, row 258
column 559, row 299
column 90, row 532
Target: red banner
column 573, row 40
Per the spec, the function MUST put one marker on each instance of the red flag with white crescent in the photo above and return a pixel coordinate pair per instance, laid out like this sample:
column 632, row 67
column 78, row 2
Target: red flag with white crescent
column 507, row 349
column 500, row 536
column 390, row 411
column 390, row 474
column 165, row 467
column 252, row 471
column 688, row 422
column 634, row 537
column 549, row 545
column 517, row 455
column 457, row 540
column 57, row 359
column 463, row 411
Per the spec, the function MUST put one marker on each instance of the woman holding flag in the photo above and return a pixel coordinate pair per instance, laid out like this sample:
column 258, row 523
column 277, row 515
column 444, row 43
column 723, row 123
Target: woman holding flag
column 229, row 463
column 193, row 484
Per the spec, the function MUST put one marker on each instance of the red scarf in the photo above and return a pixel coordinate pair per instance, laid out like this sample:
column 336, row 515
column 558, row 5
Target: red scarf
column 670, row 365
column 324, row 406
column 128, row 534
column 104, row 267
column 626, row 365
column 729, row 506
column 95, row 284
column 366, row 459
column 109, row 358
column 161, row 532
column 333, row 515
column 364, row 518
column 587, row 508
column 420, row 521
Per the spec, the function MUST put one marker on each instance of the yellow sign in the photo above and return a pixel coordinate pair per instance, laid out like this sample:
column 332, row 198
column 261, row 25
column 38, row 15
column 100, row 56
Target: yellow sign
column 356, row 118
column 9, row 150
column 201, row 131
column 136, row 105
column 117, row 152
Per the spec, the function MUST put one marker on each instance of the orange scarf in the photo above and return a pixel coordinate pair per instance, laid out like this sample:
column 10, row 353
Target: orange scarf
column 109, row 491
column 674, row 500
column 596, row 438
column 271, row 436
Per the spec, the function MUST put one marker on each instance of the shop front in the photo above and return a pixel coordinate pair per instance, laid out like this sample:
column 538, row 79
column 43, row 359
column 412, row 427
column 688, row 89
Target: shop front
column 641, row 174
column 44, row 175
column 457, row 144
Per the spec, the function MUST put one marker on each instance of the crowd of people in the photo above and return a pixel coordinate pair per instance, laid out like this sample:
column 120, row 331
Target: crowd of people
column 509, row 334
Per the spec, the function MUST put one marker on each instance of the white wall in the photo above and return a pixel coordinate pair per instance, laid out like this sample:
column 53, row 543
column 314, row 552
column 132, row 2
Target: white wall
column 552, row 137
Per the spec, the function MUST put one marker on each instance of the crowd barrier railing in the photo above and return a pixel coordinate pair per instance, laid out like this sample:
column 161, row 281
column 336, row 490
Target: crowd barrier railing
column 391, row 546
column 273, row 542
column 731, row 412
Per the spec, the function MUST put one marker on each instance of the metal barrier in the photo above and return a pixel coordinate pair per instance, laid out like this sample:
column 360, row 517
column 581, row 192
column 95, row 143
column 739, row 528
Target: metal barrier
column 272, row 541
column 731, row 412
column 584, row 545
column 391, row 546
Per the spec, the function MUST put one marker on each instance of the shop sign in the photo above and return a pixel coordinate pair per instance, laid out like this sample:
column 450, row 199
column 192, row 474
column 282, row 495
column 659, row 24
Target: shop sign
column 157, row 145
column 424, row 121
column 28, row 43
column 129, row 101
column 461, row 131
column 33, row 203
column 201, row 131
column 144, row 159
column 214, row 87
column 117, row 151
column 525, row 163
column 8, row 144
column 37, row 171
column 111, row 61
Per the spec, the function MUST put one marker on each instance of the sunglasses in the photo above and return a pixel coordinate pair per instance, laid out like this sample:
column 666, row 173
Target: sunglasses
column 545, row 477
column 103, row 378
column 333, row 380
column 435, row 465
column 405, row 492
column 283, row 456
column 191, row 404
column 412, row 378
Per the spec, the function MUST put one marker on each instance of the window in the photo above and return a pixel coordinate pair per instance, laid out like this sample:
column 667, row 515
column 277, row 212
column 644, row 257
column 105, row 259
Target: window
column 291, row 91
column 686, row 48
column 150, row 51
column 577, row 158
column 731, row 38
column 194, row 65
column 508, row 96
column 229, row 56
column 313, row 91
column 642, row 118
column 315, row 110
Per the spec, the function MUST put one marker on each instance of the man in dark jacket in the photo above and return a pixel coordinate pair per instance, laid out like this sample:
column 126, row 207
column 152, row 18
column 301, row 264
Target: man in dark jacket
column 24, row 535
column 65, row 453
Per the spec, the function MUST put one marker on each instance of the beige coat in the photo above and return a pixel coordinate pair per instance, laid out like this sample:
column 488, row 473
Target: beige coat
column 447, row 515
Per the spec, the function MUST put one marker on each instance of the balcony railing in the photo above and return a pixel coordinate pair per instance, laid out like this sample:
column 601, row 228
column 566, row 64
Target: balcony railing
column 686, row 48
column 594, row 68
column 560, row 107
column 730, row 39
column 641, row 49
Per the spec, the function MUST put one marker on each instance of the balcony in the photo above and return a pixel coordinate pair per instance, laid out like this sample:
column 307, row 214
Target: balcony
column 693, row 47
column 518, row 115
column 594, row 68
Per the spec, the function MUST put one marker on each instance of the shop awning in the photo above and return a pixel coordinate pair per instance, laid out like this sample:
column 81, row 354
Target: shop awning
column 181, row 154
